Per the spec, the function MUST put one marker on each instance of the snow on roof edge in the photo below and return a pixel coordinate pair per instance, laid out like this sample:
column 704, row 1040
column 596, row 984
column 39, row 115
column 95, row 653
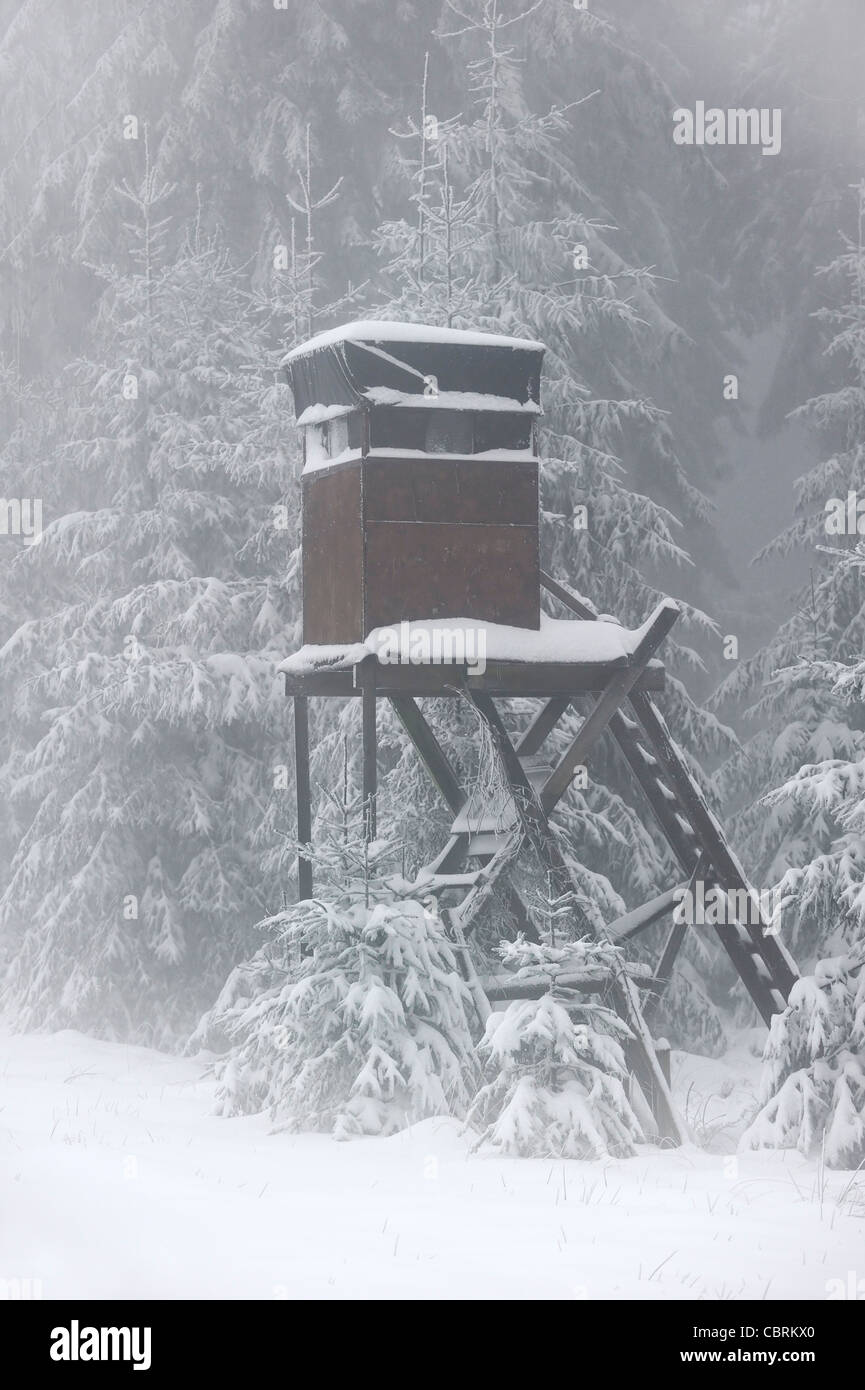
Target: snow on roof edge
column 392, row 331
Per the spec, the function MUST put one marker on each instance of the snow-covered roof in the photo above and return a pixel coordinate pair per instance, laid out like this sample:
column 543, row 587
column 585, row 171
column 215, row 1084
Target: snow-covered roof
column 391, row 331
column 339, row 367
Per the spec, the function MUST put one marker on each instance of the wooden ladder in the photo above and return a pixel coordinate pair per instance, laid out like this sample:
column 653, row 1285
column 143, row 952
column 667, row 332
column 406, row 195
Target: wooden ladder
column 697, row 841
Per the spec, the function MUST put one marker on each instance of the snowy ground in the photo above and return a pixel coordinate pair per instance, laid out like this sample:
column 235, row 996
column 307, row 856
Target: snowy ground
column 116, row 1180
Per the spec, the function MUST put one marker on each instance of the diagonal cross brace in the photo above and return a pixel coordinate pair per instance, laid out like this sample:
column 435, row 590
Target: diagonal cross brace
column 639, row 1049
column 652, row 635
column 439, row 768
column 529, row 807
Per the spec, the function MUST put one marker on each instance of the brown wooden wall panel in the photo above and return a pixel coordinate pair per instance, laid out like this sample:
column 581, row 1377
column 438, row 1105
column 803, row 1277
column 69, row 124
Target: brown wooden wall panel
column 333, row 556
column 455, row 570
column 433, row 490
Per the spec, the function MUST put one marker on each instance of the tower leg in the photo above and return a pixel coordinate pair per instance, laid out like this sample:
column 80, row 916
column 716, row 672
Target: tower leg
column 304, row 800
column 365, row 674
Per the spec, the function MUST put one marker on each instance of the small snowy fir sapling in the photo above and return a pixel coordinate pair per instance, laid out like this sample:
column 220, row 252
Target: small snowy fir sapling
column 367, row 1023
column 555, row 1069
column 814, row 1077
column 793, row 786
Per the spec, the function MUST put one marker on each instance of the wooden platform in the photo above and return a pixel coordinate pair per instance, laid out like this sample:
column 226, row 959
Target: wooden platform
column 500, row 678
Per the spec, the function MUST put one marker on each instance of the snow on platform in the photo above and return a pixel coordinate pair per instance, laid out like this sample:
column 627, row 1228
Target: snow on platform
column 118, row 1182
column 559, row 641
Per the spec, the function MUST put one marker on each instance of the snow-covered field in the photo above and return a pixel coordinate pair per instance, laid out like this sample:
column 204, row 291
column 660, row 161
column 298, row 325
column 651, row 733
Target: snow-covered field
column 116, row 1180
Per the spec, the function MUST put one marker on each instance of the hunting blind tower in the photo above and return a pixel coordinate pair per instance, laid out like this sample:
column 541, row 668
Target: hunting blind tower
column 420, row 511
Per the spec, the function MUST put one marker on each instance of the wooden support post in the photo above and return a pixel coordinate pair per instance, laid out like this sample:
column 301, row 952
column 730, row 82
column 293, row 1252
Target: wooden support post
column 672, row 946
column 663, row 1054
column 365, row 677
column 304, row 799
column 643, row 1060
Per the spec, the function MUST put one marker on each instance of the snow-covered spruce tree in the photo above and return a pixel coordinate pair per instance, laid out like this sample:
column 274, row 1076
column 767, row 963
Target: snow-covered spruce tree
column 555, row 1073
column 143, row 691
column 807, row 64
column 794, row 784
column 814, row 1078
column 27, row 435
column 354, row 1018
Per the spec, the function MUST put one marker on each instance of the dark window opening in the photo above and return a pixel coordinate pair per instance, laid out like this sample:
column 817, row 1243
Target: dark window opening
column 331, row 438
column 430, row 430
column 398, row 429
column 501, row 430
column 449, row 432
column 461, row 433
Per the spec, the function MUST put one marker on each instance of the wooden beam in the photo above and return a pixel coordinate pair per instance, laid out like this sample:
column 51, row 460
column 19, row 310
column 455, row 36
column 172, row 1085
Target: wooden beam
column 542, row 726
column 744, row 946
column 654, row 632
column 365, row 676
column 641, row 918
column 683, row 846
column 684, row 850
column 430, row 751
column 504, row 679
column 643, row 1061
column 719, row 855
column 662, row 1052
column 672, row 946
column 529, row 808
column 303, row 795
column 454, row 856
column 639, row 1049
column 568, row 600
column 664, row 972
